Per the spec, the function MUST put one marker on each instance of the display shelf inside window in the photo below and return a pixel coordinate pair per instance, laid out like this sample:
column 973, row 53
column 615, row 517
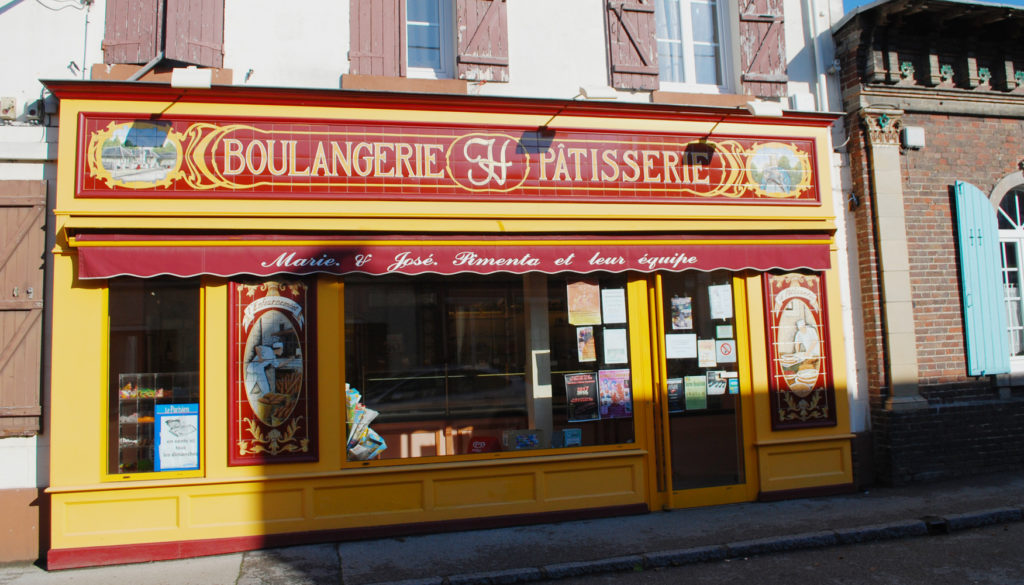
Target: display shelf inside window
column 138, row 397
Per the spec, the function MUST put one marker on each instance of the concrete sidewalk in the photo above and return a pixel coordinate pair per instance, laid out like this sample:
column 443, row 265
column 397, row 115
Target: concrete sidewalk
column 551, row 551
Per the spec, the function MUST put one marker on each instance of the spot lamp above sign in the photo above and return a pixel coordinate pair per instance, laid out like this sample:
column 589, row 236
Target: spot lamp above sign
column 765, row 108
column 191, row 77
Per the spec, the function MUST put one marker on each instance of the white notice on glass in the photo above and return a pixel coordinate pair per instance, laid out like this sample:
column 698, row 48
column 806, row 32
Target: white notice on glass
column 680, row 345
column 615, row 346
column 706, row 353
column 613, row 305
column 720, row 299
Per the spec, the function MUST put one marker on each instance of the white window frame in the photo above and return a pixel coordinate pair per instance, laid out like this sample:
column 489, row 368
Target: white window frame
column 446, row 33
column 1014, row 303
column 689, row 83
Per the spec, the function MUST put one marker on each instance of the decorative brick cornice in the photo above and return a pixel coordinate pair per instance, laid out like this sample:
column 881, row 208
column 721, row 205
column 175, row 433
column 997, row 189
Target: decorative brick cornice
column 883, row 125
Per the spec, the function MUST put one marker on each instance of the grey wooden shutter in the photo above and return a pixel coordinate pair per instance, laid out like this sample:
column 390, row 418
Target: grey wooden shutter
column 763, row 48
column 133, row 31
column 22, row 247
column 632, row 44
column 482, row 27
column 985, row 325
column 195, row 32
column 377, row 37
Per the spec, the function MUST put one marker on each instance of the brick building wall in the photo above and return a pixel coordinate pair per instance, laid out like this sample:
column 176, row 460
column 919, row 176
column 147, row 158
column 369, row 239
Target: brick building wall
column 867, row 268
column 849, row 51
column 965, row 425
column 949, row 440
column 968, row 427
column 980, row 151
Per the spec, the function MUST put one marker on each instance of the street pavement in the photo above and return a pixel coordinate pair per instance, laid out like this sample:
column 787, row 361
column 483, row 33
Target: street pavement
column 568, row 550
column 990, row 555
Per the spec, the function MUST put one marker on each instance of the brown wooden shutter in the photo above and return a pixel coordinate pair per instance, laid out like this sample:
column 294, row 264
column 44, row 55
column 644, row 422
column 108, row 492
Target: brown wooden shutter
column 482, row 27
column 632, row 45
column 195, row 32
column 763, row 48
column 22, row 247
column 133, row 31
column 377, row 37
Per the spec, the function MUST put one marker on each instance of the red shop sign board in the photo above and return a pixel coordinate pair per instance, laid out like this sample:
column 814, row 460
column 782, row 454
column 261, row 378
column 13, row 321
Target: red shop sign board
column 203, row 158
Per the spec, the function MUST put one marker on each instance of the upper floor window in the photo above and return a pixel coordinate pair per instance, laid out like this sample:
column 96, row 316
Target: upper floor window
column 429, row 38
column 690, row 48
column 416, row 38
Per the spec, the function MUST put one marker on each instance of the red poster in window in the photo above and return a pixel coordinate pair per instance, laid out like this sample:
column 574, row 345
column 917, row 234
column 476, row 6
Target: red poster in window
column 800, row 381
column 273, row 412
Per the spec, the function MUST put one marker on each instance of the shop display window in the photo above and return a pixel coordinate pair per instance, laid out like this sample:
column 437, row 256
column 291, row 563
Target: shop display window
column 591, row 384
column 153, row 375
column 439, row 367
column 436, row 362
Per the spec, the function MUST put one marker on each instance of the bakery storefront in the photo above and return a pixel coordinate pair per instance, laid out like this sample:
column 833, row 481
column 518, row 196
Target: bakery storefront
column 284, row 316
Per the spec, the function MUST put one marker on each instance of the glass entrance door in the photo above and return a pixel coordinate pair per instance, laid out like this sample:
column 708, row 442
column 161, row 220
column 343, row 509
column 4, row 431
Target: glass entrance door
column 703, row 370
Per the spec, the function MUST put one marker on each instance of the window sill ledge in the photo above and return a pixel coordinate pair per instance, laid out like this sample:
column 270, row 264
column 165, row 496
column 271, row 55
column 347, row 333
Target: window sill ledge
column 403, row 84
column 161, row 73
column 700, row 99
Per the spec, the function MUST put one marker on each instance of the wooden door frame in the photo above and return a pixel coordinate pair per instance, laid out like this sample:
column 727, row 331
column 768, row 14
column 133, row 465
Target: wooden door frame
column 744, row 284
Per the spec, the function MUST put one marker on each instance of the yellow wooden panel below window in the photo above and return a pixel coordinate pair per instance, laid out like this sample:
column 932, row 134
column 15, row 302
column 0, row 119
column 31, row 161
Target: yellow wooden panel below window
column 805, row 465
column 120, row 516
column 362, row 500
column 260, row 507
column 574, row 484
column 482, row 491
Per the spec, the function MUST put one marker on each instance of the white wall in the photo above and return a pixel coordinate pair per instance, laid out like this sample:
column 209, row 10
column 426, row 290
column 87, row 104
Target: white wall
column 554, row 49
column 287, row 43
column 40, row 39
column 46, row 39
column 21, row 467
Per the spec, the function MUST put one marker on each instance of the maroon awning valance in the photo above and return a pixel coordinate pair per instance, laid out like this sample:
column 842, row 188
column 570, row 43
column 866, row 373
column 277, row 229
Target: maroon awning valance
column 110, row 254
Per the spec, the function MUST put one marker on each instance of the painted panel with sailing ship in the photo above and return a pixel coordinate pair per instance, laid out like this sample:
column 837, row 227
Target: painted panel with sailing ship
column 273, row 407
column 802, row 390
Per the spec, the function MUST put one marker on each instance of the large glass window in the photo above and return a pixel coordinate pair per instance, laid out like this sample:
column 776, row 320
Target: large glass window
column 689, row 34
column 441, row 363
column 154, row 380
column 1011, row 237
column 465, row 365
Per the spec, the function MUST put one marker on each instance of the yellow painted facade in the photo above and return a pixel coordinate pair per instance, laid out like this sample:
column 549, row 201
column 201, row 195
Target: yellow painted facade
column 94, row 508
